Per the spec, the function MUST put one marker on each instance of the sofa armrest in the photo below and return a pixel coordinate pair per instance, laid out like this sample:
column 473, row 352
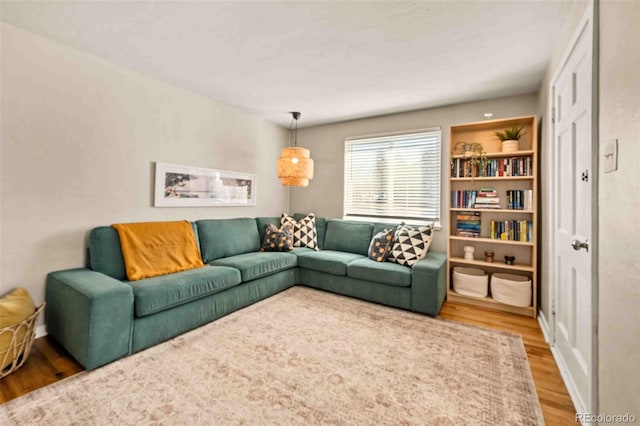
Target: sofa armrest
column 90, row 314
column 429, row 284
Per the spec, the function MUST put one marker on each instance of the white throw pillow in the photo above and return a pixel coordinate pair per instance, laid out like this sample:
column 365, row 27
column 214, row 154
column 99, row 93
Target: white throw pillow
column 410, row 244
column 304, row 230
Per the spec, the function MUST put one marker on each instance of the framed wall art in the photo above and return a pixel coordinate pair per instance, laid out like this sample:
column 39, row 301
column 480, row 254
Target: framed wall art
column 185, row 186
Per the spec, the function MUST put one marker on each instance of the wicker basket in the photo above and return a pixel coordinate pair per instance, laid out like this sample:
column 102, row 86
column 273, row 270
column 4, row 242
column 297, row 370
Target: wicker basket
column 22, row 335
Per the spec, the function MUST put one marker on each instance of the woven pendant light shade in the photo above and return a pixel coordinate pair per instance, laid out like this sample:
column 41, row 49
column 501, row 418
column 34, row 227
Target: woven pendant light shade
column 295, row 166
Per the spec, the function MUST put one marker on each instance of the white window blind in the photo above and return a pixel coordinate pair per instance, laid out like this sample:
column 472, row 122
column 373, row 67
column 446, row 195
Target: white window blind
column 393, row 177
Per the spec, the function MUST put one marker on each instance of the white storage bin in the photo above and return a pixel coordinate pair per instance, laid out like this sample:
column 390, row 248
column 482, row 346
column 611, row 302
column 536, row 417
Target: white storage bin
column 470, row 282
column 511, row 289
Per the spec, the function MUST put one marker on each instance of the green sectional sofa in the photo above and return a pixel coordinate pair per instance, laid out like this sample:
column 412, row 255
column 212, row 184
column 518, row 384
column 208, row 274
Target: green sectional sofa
column 99, row 316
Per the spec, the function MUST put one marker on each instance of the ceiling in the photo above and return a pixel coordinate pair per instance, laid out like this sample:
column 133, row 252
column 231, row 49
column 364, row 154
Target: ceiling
column 333, row 61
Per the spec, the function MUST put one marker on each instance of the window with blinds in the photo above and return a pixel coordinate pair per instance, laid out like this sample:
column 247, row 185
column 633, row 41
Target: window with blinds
column 394, row 177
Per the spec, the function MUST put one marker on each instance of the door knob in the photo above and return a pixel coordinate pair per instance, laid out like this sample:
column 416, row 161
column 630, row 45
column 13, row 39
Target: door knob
column 577, row 245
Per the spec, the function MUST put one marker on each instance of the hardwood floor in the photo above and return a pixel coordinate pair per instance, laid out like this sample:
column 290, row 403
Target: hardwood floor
column 49, row 363
column 556, row 403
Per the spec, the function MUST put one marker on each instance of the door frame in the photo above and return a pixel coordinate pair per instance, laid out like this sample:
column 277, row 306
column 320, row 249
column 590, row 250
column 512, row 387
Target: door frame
column 590, row 17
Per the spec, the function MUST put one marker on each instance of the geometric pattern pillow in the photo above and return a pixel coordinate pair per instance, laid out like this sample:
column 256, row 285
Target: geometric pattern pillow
column 381, row 245
column 410, row 244
column 304, row 230
column 277, row 239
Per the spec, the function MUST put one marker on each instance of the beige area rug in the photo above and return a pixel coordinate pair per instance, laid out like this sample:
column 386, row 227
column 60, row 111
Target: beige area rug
column 303, row 357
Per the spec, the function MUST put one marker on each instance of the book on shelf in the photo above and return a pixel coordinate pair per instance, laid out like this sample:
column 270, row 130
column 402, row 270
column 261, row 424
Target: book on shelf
column 512, row 230
column 461, row 168
column 513, row 166
column 494, row 167
column 488, row 192
column 487, row 206
column 463, row 199
column 520, row 199
column 486, row 200
column 468, row 224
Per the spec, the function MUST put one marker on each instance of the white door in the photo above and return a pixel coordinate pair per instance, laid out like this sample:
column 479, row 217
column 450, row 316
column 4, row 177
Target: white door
column 572, row 273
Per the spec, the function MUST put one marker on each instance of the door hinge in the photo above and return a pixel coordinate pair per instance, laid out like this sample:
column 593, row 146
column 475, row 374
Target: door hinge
column 553, row 115
column 585, row 176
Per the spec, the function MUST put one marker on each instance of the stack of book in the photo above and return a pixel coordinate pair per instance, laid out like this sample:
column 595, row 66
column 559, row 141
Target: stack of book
column 520, row 199
column 468, row 224
column 487, row 198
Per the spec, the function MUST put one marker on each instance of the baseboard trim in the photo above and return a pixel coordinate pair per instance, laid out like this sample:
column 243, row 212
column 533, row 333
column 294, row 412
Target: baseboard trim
column 41, row 331
column 566, row 378
column 544, row 326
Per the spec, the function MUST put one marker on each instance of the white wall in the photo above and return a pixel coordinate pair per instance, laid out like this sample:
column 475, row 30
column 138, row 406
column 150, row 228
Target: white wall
column 619, row 210
column 79, row 139
column 324, row 195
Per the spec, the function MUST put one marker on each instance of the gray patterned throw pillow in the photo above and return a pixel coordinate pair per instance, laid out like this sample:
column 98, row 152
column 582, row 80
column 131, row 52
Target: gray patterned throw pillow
column 277, row 239
column 381, row 245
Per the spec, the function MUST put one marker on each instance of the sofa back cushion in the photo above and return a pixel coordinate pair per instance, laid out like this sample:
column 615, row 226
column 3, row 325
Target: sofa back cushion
column 105, row 254
column 352, row 237
column 151, row 249
column 379, row 227
column 227, row 237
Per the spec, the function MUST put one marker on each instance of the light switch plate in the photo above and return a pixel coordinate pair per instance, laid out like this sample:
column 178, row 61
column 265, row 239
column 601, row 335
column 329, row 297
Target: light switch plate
column 610, row 156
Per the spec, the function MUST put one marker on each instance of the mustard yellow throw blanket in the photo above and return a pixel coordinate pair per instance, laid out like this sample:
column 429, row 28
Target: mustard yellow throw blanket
column 157, row 248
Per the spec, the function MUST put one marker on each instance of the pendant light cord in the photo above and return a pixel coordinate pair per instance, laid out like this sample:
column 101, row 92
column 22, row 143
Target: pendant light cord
column 296, row 116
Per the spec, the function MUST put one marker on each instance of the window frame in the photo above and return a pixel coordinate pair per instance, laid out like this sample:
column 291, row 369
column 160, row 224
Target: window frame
column 388, row 219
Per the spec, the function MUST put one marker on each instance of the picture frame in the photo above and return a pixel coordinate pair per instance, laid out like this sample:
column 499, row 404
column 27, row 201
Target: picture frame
column 186, row 186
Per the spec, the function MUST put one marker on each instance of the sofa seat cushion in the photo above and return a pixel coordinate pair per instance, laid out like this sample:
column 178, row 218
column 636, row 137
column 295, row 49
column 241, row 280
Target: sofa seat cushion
column 328, row 261
column 380, row 272
column 156, row 294
column 260, row 264
column 299, row 250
